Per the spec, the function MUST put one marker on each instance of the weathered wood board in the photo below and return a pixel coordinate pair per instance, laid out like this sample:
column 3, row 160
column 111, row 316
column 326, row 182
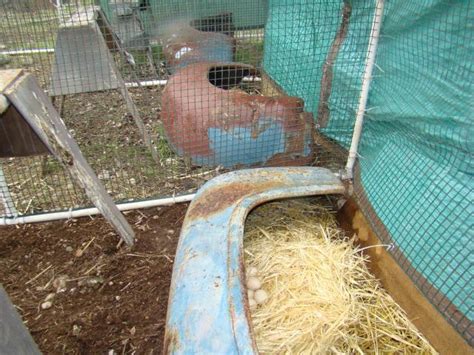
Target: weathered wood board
column 14, row 337
column 441, row 335
column 81, row 62
column 29, row 99
column 17, row 139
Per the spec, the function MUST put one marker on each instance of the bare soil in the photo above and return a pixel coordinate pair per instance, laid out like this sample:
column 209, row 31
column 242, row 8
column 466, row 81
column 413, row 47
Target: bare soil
column 105, row 296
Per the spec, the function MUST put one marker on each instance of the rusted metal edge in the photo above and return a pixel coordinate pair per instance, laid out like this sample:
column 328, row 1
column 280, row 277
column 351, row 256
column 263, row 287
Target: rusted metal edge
column 208, row 307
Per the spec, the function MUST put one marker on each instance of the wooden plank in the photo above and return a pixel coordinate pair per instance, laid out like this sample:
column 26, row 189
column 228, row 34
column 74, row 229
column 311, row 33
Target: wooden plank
column 14, row 337
column 84, row 16
column 441, row 335
column 109, row 36
column 36, row 108
column 7, row 76
column 17, row 139
column 81, row 62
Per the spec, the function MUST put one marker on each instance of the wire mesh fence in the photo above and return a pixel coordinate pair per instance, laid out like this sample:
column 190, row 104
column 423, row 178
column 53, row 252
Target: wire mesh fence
column 163, row 95
column 106, row 65
column 414, row 180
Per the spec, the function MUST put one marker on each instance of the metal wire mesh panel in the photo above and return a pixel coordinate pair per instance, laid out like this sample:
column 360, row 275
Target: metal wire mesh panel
column 163, row 96
column 416, row 155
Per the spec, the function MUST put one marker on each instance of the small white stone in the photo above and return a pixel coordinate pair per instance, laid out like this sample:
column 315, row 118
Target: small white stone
column 104, row 175
column 76, row 329
column 60, row 283
column 50, row 297
column 46, row 305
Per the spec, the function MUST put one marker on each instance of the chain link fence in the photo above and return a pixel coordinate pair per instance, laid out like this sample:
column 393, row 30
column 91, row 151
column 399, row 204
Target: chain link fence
column 164, row 95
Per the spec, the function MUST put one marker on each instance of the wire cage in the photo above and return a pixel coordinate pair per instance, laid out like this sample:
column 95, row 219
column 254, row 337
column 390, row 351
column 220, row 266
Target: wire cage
column 106, row 65
column 161, row 96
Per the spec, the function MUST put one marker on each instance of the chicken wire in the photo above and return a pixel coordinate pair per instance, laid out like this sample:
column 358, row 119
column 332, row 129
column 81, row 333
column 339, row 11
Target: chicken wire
column 99, row 69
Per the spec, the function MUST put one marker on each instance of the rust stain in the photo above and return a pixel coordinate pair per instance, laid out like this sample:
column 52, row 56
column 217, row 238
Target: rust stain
column 171, row 341
column 222, row 197
column 192, row 104
column 244, row 289
column 232, row 312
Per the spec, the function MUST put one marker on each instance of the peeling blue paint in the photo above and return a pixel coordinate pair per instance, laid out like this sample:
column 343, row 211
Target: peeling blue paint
column 252, row 150
column 236, row 146
column 208, row 306
column 212, row 50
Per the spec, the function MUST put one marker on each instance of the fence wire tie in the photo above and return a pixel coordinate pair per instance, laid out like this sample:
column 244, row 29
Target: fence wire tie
column 70, row 213
column 370, row 109
column 357, row 155
column 389, row 247
column 379, row 68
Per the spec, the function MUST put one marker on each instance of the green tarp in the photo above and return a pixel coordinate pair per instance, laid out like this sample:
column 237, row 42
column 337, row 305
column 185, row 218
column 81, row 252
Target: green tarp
column 416, row 153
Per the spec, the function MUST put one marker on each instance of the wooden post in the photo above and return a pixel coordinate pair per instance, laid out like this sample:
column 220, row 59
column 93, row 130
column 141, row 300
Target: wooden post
column 24, row 93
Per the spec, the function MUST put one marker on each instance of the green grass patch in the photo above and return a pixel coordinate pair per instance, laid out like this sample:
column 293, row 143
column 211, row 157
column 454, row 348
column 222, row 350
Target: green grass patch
column 249, row 52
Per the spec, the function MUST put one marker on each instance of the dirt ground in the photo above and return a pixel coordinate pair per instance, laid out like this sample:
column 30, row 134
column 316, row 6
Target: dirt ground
column 103, row 296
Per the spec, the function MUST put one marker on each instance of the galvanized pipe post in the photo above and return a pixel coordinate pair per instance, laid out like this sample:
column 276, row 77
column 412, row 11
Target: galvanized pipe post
column 364, row 95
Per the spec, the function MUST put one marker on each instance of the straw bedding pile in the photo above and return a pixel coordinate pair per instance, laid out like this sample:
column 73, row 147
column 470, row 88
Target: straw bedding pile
column 321, row 296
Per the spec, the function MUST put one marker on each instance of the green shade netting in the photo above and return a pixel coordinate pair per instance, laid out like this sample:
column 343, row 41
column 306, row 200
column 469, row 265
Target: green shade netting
column 416, row 153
